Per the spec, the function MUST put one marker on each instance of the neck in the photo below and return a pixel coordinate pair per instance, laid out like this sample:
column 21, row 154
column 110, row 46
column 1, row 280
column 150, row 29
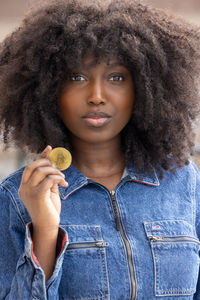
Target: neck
column 98, row 160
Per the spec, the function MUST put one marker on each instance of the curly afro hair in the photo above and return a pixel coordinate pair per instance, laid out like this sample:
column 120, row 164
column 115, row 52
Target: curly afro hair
column 161, row 51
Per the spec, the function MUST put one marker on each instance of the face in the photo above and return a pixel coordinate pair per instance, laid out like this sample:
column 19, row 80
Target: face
column 97, row 101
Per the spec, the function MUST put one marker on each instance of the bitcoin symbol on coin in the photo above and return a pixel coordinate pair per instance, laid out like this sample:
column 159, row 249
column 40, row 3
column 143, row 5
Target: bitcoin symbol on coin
column 60, row 158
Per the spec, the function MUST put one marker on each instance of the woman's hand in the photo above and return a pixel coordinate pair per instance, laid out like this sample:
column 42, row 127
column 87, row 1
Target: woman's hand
column 39, row 192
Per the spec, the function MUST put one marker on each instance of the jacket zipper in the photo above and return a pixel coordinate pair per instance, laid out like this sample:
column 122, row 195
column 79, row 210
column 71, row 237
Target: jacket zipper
column 87, row 245
column 119, row 228
column 176, row 239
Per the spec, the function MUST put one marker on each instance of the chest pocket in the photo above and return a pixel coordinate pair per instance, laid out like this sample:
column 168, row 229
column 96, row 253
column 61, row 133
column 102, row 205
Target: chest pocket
column 175, row 252
column 85, row 273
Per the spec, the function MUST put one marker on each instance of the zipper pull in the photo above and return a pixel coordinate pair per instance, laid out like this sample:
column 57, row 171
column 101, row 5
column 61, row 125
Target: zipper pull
column 101, row 244
column 155, row 238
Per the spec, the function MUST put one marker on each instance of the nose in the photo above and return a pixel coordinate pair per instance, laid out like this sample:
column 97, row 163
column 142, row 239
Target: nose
column 97, row 93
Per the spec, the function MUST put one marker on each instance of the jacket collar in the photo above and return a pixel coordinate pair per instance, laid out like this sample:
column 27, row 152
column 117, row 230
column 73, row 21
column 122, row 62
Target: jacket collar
column 151, row 180
column 76, row 179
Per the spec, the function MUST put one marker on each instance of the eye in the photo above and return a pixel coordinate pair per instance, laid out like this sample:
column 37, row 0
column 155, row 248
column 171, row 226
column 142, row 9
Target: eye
column 117, row 78
column 77, row 77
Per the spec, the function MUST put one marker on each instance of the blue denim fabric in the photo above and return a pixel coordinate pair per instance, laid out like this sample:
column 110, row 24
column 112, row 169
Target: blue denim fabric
column 159, row 222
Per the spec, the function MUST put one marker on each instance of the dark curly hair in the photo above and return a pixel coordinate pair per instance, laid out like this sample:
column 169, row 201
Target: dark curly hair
column 161, row 51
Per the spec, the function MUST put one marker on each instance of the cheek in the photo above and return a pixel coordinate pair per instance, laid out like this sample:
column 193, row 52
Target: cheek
column 125, row 97
column 67, row 107
column 64, row 110
column 126, row 106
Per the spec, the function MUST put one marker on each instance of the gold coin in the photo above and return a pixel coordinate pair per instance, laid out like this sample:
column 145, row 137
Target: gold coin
column 60, row 158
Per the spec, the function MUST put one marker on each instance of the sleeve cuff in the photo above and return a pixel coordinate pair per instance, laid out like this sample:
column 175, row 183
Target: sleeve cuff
column 62, row 243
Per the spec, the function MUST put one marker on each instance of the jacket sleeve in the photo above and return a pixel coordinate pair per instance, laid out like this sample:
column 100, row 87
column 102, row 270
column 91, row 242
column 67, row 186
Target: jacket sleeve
column 21, row 276
column 197, row 220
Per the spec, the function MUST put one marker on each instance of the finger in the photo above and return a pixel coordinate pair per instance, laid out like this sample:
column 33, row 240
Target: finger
column 40, row 173
column 34, row 165
column 46, row 152
column 54, row 189
column 50, row 181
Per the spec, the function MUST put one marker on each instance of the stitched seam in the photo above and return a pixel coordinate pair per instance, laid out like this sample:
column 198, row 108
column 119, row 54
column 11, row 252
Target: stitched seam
column 106, row 271
column 154, row 267
column 104, row 278
column 93, row 298
column 176, row 290
column 193, row 189
column 90, row 226
column 176, row 294
column 102, row 275
column 157, row 270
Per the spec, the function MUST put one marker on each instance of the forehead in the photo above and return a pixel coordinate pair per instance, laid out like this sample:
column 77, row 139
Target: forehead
column 90, row 61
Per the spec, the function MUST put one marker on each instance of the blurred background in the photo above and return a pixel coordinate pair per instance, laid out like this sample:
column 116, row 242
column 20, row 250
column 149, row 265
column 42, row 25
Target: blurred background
column 11, row 14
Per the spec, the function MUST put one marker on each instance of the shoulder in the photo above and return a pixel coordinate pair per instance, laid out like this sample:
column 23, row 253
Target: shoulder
column 185, row 180
column 10, row 185
column 189, row 173
column 12, row 181
column 9, row 196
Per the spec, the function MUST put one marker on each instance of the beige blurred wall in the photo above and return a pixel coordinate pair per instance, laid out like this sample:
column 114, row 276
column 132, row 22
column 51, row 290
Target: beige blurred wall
column 12, row 12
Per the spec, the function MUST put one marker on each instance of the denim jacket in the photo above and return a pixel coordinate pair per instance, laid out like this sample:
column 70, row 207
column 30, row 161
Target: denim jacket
column 139, row 242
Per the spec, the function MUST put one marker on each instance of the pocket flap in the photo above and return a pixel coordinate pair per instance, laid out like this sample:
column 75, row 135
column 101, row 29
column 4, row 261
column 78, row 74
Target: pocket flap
column 168, row 228
column 83, row 233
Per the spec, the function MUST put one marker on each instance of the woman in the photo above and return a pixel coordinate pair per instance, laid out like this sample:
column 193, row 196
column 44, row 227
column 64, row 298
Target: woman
column 116, row 84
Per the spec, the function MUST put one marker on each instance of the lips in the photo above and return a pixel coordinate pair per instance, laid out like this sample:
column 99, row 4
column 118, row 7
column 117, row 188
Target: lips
column 96, row 115
column 96, row 119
